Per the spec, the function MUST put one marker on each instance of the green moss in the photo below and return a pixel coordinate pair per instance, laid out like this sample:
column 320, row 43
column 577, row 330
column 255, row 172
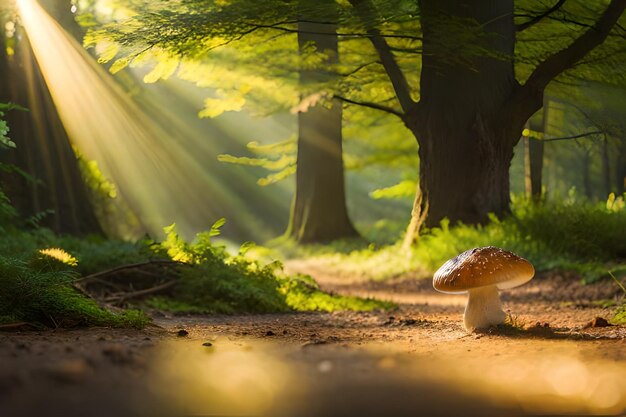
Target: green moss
column 620, row 316
column 301, row 296
column 44, row 296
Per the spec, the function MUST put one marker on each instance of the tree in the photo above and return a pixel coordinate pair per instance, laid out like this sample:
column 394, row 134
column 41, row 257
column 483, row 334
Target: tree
column 52, row 189
column 478, row 84
column 533, row 154
column 471, row 114
column 319, row 212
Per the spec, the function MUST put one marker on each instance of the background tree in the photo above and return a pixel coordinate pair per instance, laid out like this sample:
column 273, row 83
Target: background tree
column 480, row 77
column 319, row 211
column 52, row 192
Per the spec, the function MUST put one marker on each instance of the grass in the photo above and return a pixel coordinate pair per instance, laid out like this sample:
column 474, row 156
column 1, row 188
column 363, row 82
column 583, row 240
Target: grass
column 43, row 295
column 218, row 282
column 620, row 316
column 37, row 287
column 38, row 269
column 564, row 234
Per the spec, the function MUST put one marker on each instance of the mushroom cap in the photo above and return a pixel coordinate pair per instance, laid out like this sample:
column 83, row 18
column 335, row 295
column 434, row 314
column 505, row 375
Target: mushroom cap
column 480, row 267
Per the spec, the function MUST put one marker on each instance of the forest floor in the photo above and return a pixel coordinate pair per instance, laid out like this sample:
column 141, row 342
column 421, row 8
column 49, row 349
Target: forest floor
column 416, row 360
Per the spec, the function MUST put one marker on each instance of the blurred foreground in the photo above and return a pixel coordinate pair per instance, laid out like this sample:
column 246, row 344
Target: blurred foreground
column 415, row 361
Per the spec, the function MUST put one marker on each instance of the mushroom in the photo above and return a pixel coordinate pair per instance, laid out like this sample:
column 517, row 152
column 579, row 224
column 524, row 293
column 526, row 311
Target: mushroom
column 481, row 272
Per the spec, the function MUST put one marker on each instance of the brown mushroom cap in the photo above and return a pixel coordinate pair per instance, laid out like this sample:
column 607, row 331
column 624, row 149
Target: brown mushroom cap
column 480, row 267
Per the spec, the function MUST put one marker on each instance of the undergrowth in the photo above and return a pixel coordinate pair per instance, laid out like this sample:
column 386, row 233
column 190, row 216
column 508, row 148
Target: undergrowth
column 219, row 282
column 620, row 315
column 40, row 292
column 564, row 234
column 38, row 270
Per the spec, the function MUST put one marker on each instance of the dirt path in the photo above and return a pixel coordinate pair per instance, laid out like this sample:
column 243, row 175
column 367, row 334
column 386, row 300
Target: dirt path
column 413, row 361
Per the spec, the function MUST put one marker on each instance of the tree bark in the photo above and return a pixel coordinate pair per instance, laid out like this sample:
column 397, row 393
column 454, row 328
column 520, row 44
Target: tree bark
column 319, row 212
column 472, row 110
column 43, row 151
column 465, row 146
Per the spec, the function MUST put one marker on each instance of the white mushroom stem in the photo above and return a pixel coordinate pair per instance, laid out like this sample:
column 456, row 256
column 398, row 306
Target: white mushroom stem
column 483, row 308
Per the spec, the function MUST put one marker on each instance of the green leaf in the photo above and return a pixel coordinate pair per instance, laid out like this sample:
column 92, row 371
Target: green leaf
column 215, row 228
column 245, row 247
column 403, row 189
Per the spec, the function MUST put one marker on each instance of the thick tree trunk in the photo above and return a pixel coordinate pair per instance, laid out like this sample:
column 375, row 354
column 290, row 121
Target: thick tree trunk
column 319, row 212
column 466, row 142
column 43, row 151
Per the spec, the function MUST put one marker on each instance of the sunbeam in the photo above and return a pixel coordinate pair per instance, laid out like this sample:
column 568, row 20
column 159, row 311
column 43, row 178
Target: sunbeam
column 158, row 166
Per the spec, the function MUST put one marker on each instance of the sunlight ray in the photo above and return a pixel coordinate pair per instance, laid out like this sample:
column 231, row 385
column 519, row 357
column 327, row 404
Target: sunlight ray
column 158, row 169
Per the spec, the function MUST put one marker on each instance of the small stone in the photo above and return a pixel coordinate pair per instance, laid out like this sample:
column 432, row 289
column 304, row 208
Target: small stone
column 598, row 322
column 207, row 344
column 270, row 333
column 315, row 342
column 182, row 333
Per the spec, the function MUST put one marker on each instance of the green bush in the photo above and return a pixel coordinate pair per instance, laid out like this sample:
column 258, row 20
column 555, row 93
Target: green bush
column 216, row 282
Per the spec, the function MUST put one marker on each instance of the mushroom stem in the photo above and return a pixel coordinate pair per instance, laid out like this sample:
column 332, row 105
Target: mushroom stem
column 483, row 308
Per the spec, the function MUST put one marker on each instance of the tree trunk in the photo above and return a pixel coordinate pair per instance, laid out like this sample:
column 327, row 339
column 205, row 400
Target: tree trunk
column 466, row 145
column 620, row 167
column 586, row 178
column 319, row 212
column 606, row 167
column 533, row 156
column 43, row 151
column 533, row 161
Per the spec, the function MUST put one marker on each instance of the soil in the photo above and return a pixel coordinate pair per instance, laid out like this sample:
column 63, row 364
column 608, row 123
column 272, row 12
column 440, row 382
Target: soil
column 559, row 358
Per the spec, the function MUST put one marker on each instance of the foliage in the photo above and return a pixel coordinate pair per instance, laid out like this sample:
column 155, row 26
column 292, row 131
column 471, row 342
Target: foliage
column 222, row 283
column 620, row 316
column 44, row 295
column 562, row 234
column 4, row 128
column 7, row 211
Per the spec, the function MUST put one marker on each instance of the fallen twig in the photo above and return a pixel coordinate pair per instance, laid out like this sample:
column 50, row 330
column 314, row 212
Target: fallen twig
column 99, row 275
column 141, row 293
column 17, row 325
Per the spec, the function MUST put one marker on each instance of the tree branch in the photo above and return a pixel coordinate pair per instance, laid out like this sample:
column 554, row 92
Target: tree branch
column 141, row 293
column 277, row 26
column 117, row 269
column 538, row 18
column 528, row 98
column 400, row 85
column 581, row 135
column 370, row 105
column 564, row 59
